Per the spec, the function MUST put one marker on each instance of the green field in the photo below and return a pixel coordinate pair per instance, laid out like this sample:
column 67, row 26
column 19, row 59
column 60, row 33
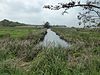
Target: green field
column 84, row 52
column 17, row 47
column 20, row 56
column 17, row 32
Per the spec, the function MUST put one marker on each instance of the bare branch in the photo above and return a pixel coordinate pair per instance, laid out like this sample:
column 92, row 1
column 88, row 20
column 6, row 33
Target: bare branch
column 89, row 6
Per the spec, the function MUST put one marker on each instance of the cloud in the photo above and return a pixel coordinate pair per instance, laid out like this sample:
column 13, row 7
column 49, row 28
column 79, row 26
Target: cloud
column 32, row 12
column 19, row 6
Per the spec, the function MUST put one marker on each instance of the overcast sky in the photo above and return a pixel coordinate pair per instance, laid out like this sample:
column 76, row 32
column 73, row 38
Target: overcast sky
column 32, row 12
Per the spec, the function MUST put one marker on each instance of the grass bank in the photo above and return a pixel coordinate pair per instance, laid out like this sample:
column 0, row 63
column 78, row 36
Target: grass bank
column 21, row 57
column 18, row 48
column 84, row 54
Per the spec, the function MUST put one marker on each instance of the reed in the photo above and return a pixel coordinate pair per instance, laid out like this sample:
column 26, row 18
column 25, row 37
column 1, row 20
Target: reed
column 22, row 56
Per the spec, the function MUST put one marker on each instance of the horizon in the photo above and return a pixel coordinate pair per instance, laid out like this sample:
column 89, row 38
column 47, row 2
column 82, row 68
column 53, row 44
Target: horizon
column 32, row 24
column 32, row 12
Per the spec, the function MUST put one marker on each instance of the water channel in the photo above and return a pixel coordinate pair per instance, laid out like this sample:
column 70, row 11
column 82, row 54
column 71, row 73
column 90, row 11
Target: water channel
column 51, row 39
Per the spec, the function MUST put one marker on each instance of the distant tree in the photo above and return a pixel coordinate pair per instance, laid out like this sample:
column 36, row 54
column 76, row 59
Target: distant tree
column 12, row 24
column 90, row 13
column 88, row 26
column 98, row 25
column 6, row 22
column 47, row 25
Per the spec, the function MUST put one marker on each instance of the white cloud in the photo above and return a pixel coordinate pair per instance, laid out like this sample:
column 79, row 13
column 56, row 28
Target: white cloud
column 32, row 12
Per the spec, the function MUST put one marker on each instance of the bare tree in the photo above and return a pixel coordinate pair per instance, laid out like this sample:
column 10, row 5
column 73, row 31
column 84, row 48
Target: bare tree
column 90, row 13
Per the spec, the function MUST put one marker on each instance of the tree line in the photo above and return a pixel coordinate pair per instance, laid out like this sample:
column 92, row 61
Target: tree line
column 7, row 23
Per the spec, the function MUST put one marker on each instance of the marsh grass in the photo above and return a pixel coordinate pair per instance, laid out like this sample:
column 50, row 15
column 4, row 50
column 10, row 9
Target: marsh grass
column 84, row 54
column 21, row 56
column 51, row 61
column 18, row 48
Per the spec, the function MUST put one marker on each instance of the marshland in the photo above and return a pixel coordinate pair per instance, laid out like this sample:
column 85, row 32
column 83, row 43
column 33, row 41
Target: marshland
column 20, row 53
column 49, row 37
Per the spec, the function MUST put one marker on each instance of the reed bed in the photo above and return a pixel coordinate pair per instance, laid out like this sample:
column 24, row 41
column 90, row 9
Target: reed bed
column 21, row 56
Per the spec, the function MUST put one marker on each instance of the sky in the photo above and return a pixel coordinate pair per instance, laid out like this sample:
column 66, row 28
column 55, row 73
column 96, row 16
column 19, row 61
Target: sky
column 32, row 12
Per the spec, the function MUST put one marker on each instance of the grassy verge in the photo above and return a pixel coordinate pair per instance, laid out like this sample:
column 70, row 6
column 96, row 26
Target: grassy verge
column 17, row 49
column 84, row 55
column 19, row 56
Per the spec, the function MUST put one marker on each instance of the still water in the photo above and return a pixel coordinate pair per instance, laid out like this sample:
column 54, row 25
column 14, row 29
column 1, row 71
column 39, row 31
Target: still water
column 53, row 40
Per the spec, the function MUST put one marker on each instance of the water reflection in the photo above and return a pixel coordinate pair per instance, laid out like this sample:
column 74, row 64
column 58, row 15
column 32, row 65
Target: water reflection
column 53, row 40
